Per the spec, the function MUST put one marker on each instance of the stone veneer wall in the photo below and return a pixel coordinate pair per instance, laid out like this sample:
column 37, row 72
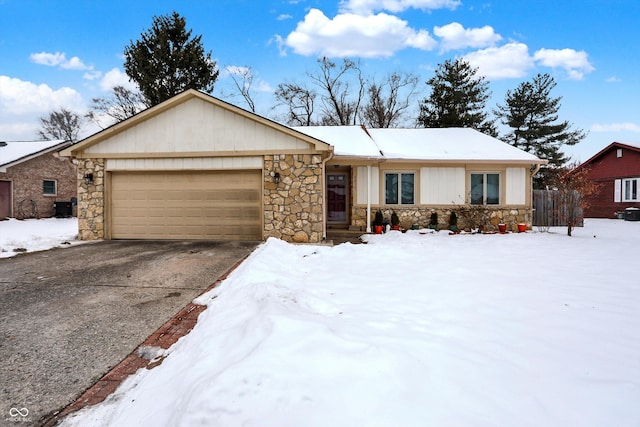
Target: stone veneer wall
column 486, row 218
column 91, row 200
column 293, row 208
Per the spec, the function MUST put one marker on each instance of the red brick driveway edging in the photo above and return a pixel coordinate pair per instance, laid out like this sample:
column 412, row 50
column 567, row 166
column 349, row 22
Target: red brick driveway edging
column 167, row 335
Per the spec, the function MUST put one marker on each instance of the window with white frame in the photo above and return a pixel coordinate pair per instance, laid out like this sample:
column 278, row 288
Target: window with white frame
column 485, row 189
column 49, row 187
column 630, row 190
column 399, row 188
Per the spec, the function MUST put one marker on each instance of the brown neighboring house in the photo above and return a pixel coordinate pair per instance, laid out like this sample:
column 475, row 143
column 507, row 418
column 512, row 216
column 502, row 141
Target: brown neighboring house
column 617, row 169
column 35, row 180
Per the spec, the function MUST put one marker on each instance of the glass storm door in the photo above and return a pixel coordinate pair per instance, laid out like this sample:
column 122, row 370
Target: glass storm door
column 337, row 197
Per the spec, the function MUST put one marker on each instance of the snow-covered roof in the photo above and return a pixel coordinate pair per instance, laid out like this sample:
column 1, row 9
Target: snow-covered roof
column 445, row 144
column 16, row 151
column 346, row 140
column 449, row 144
column 630, row 144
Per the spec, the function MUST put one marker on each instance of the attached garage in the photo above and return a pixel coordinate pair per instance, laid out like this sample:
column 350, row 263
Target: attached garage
column 196, row 167
column 216, row 205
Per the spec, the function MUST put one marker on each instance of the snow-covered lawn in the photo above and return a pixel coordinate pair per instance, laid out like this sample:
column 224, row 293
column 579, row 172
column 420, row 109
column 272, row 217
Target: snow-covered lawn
column 31, row 235
column 535, row 329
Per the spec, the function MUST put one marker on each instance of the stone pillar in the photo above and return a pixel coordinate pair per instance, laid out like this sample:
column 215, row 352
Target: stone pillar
column 91, row 199
column 293, row 207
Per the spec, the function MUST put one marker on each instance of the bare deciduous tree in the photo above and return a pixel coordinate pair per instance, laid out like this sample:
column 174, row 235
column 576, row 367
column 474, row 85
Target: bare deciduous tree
column 299, row 101
column 389, row 100
column 339, row 103
column 338, row 106
column 122, row 104
column 62, row 124
column 243, row 81
column 575, row 187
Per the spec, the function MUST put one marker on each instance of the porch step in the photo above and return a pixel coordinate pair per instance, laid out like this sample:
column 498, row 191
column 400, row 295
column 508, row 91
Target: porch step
column 341, row 236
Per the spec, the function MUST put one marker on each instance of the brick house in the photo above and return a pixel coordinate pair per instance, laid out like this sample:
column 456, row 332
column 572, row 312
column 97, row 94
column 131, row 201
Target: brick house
column 196, row 167
column 33, row 178
column 617, row 169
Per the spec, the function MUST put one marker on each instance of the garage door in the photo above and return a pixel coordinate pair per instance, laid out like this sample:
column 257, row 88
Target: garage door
column 208, row 205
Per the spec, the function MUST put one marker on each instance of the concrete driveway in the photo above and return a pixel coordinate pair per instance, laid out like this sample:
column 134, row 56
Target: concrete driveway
column 69, row 315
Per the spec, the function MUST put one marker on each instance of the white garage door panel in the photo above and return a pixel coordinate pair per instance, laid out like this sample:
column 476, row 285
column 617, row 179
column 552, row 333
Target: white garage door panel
column 179, row 205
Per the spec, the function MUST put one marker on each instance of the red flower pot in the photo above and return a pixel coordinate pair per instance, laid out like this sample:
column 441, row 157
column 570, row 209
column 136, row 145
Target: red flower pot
column 522, row 228
column 377, row 229
column 502, row 228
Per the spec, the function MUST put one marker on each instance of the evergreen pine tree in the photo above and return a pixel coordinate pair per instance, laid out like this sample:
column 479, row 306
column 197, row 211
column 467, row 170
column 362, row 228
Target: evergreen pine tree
column 457, row 99
column 166, row 60
column 532, row 114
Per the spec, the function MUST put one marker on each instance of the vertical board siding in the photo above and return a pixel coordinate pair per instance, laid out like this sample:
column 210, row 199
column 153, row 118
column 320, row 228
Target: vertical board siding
column 442, row 185
column 184, row 129
column 361, row 185
column 203, row 163
column 516, row 186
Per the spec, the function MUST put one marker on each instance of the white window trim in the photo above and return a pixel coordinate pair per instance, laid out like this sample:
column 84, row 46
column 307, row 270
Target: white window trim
column 626, row 181
column 55, row 187
column 399, row 173
column 484, row 187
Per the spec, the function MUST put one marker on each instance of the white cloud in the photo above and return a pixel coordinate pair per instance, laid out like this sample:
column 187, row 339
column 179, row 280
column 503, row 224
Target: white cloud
column 575, row 63
column 511, row 60
column 115, row 77
column 348, row 34
column 280, row 42
column 19, row 97
column 365, row 7
column 455, row 36
column 59, row 60
column 613, row 79
column 615, row 127
column 22, row 102
column 283, row 17
column 92, row 75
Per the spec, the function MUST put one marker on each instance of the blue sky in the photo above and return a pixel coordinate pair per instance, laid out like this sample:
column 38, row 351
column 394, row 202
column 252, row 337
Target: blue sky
column 63, row 53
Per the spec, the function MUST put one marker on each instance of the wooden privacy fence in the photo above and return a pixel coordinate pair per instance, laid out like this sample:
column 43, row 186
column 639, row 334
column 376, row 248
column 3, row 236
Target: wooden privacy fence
column 553, row 208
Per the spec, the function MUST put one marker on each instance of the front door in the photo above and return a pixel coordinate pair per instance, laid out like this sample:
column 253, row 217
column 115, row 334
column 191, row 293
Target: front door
column 337, row 196
column 5, row 199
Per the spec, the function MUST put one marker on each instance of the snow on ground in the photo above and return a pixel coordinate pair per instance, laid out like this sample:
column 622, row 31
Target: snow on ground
column 535, row 329
column 32, row 235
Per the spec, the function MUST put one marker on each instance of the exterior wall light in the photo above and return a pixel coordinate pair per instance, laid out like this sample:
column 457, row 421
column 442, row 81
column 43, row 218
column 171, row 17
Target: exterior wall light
column 88, row 178
column 276, row 177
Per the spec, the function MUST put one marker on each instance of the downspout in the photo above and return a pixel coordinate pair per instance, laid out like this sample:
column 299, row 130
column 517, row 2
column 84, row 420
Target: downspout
column 324, row 194
column 368, row 198
column 536, row 170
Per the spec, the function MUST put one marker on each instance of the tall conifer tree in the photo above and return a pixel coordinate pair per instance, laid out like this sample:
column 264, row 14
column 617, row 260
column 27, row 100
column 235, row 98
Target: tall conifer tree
column 458, row 99
column 532, row 114
column 167, row 60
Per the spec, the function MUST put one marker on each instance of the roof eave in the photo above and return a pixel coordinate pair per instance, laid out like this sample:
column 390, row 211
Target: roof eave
column 58, row 147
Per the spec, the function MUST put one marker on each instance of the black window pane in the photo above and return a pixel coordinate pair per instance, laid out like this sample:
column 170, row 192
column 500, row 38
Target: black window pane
column 407, row 188
column 48, row 187
column 391, row 189
column 477, row 189
column 493, row 189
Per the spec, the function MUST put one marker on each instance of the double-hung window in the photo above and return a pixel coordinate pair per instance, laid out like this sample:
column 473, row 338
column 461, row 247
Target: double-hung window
column 630, row 191
column 485, row 188
column 399, row 188
column 49, row 187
